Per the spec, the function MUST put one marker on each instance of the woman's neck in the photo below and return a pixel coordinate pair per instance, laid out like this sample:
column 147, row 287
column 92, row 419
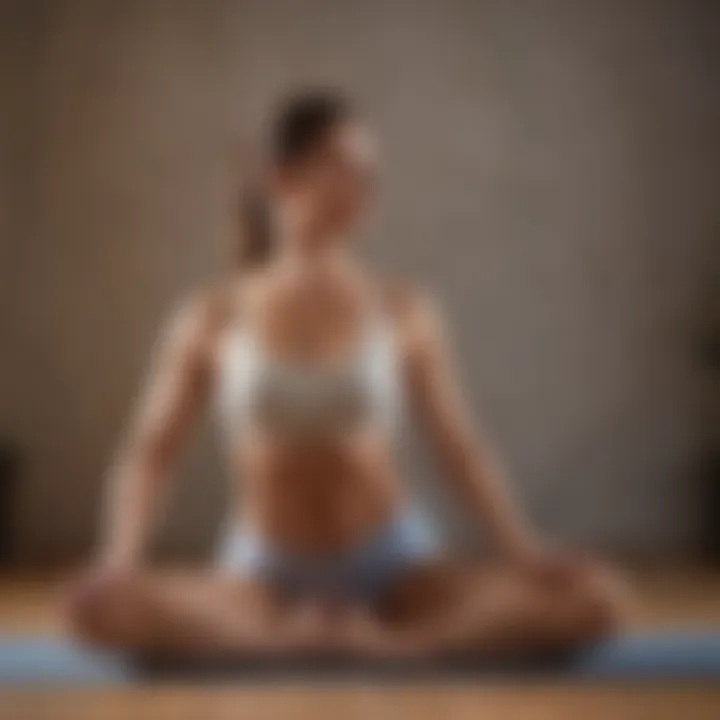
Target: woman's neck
column 318, row 256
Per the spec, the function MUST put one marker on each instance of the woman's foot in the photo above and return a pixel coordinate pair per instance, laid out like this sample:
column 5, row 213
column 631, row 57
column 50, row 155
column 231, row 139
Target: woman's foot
column 362, row 635
column 311, row 627
column 325, row 629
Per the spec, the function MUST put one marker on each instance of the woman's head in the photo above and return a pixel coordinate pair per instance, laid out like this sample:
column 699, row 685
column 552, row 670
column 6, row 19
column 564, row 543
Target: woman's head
column 319, row 172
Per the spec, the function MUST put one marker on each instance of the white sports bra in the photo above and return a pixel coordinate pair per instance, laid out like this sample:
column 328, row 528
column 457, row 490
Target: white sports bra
column 256, row 389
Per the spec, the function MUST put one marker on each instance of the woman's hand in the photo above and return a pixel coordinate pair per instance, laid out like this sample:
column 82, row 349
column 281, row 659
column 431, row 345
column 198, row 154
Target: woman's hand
column 545, row 561
column 92, row 583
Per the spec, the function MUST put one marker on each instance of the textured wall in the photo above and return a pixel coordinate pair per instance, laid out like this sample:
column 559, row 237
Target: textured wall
column 552, row 170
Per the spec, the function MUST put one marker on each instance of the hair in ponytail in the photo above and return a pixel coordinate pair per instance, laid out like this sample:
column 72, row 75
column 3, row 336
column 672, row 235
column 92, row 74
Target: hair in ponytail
column 255, row 247
column 302, row 123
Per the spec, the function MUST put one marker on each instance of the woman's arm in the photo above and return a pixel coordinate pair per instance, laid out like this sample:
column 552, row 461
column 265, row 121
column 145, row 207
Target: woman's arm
column 169, row 403
column 466, row 455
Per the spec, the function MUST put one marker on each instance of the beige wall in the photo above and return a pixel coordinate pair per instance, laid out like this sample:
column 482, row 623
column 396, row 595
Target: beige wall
column 552, row 170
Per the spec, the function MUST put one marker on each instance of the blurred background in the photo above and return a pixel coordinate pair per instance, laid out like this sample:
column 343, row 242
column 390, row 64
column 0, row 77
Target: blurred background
column 551, row 170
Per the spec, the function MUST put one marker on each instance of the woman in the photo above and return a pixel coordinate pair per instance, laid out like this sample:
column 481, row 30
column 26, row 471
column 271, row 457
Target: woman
column 312, row 363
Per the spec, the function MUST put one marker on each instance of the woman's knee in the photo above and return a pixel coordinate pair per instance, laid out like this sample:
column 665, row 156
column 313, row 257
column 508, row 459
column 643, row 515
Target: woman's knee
column 93, row 603
column 602, row 601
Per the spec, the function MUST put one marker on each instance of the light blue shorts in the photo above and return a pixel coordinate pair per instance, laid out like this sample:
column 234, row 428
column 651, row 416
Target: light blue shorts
column 365, row 572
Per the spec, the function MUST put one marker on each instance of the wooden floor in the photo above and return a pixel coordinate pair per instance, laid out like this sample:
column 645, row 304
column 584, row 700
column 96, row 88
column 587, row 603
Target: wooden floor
column 359, row 703
column 663, row 599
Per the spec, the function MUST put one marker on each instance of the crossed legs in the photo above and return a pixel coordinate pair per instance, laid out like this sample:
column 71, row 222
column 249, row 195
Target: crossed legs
column 435, row 610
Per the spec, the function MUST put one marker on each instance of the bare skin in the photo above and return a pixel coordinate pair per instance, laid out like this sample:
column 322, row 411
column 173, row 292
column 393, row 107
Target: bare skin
column 529, row 602
column 306, row 306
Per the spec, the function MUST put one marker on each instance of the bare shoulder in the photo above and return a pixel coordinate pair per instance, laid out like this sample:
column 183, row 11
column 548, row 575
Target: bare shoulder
column 415, row 312
column 194, row 325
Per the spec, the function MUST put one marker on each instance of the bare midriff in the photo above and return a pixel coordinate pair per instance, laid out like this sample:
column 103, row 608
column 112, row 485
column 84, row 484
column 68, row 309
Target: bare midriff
column 315, row 497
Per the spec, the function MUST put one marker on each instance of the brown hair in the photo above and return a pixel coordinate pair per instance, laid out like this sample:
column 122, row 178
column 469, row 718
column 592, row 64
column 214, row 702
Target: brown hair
column 299, row 127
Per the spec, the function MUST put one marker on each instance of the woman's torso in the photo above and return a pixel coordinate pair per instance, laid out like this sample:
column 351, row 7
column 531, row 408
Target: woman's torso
column 308, row 392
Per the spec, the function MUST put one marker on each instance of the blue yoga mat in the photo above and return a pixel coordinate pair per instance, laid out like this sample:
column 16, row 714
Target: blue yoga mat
column 683, row 655
column 58, row 661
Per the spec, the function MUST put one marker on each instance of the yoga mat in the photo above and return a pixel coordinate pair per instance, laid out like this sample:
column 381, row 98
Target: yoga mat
column 673, row 656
